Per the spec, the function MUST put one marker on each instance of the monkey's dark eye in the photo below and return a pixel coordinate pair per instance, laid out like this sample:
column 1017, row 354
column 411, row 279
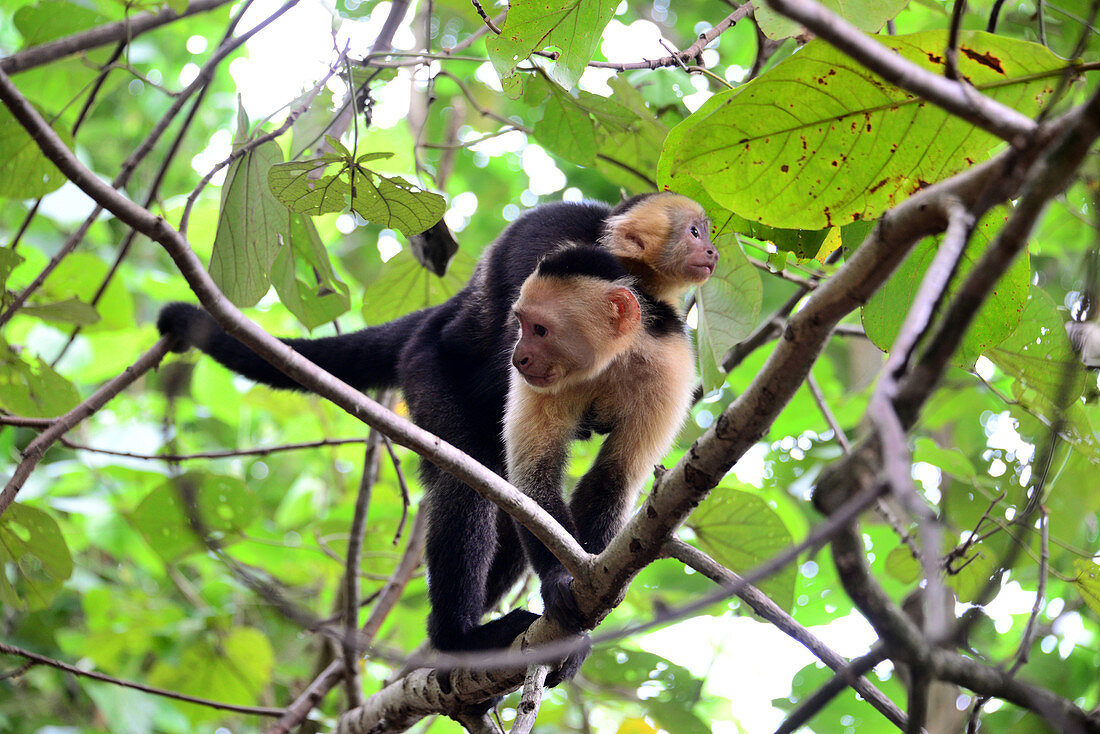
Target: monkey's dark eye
column 540, row 330
column 694, row 231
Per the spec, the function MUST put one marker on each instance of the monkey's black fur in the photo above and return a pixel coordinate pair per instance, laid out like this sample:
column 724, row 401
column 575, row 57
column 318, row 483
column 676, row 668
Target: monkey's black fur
column 584, row 260
column 452, row 363
column 658, row 317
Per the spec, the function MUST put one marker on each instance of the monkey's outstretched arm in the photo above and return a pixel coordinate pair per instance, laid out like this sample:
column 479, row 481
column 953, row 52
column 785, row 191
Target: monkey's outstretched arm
column 644, row 429
column 538, row 431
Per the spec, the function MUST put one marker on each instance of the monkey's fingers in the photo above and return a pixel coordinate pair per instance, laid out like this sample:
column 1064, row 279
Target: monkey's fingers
column 561, row 605
column 571, row 664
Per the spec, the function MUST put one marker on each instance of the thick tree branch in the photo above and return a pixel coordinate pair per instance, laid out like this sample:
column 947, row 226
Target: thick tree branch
column 100, row 36
column 747, row 419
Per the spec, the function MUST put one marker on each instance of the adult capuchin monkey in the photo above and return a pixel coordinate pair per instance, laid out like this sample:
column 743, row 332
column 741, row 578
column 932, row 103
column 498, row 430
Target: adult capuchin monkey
column 451, row 363
column 594, row 353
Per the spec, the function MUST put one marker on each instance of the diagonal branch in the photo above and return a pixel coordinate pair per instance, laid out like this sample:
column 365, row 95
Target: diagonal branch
column 36, row 659
column 773, row 613
column 100, row 36
column 34, row 451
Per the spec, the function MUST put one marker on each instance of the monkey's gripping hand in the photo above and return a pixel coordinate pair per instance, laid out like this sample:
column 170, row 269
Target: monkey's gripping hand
column 557, row 598
column 186, row 326
column 572, row 662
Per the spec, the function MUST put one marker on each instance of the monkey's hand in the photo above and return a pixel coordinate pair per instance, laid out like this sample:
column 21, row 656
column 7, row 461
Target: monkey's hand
column 186, row 325
column 572, row 664
column 557, row 598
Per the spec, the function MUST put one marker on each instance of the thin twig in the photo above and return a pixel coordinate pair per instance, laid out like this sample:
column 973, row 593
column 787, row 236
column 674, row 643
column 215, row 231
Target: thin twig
column 951, row 53
column 402, row 485
column 227, row 454
column 994, row 15
column 471, row 39
column 352, row 681
column 895, row 454
column 485, row 18
column 689, row 53
column 771, row 612
column 528, row 709
column 128, row 28
column 830, row 419
column 34, row 451
column 845, row 676
column 37, row 659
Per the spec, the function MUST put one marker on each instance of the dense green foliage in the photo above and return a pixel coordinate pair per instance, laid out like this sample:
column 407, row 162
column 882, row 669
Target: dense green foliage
column 100, row 562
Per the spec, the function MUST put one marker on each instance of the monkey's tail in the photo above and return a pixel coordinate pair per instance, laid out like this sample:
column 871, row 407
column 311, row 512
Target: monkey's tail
column 364, row 359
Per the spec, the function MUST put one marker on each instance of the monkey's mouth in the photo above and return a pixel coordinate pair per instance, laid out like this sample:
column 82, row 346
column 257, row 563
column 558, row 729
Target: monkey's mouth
column 701, row 271
column 536, row 380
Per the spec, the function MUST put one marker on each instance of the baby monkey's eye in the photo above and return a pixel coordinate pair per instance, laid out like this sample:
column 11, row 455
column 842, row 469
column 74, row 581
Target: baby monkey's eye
column 694, row 231
column 540, row 330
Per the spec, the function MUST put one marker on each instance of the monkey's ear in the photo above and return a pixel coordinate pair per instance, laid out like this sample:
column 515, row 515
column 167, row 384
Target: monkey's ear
column 625, row 311
column 630, row 232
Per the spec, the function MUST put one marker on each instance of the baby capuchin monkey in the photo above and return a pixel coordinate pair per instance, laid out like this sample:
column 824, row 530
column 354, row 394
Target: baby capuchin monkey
column 595, row 353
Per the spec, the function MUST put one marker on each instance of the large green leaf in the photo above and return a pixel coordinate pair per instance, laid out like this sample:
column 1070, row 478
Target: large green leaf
column 327, row 184
column 741, row 531
column 998, row 317
column 729, row 305
column 250, row 224
column 819, row 141
column 33, row 548
column 571, row 27
column 1039, row 356
column 567, row 129
column 33, row 388
column 406, row 285
column 867, row 15
column 25, row 173
column 297, row 187
column 46, row 20
column 303, row 276
column 393, row 201
column 224, row 506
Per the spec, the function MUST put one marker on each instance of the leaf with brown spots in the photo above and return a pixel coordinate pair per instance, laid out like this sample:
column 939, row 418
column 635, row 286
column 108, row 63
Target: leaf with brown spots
column 986, row 59
column 852, row 144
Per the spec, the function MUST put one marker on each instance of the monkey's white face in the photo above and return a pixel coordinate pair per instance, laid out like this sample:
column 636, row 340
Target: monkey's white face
column 548, row 350
column 696, row 255
column 570, row 329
